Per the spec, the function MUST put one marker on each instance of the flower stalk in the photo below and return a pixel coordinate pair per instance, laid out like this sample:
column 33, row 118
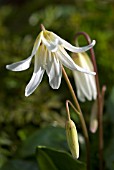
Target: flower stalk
column 84, row 128
column 100, row 100
column 67, row 108
column 42, row 27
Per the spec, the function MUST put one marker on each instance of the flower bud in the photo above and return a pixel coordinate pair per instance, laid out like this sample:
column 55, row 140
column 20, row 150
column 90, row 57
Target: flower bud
column 72, row 138
column 93, row 118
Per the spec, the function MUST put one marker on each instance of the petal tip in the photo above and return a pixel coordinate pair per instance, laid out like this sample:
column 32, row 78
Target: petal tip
column 7, row 67
column 94, row 42
column 93, row 73
column 26, row 93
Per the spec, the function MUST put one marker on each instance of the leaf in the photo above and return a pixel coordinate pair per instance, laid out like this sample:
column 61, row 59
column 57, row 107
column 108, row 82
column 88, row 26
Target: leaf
column 45, row 162
column 19, row 165
column 49, row 136
column 52, row 159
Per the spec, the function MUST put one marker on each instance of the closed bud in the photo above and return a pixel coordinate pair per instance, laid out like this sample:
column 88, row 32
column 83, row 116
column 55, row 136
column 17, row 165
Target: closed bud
column 72, row 138
column 93, row 118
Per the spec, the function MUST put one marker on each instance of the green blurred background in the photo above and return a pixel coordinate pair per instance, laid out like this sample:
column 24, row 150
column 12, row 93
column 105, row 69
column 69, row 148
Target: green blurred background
column 40, row 118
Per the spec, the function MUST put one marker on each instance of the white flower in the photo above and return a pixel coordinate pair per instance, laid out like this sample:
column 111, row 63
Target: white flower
column 85, row 83
column 49, row 55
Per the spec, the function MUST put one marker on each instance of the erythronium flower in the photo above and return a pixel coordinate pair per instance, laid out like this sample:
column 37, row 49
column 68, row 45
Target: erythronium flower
column 85, row 83
column 49, row 55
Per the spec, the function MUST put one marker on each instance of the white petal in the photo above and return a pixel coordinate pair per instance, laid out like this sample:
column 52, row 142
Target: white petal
column 49, row 61
column 34, row 82
column 82, row 81
column 72, row 48
column 85, row 62
column 54, row 72
column 24, row 64
column 93, row 86
column 21, row 65
column 50, row 41
column 80, row 95
column 37, row 43
column 37, row 75
column 69, row 63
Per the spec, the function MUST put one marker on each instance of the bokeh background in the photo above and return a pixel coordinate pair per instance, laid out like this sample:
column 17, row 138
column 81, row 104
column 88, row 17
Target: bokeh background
column 40, row 118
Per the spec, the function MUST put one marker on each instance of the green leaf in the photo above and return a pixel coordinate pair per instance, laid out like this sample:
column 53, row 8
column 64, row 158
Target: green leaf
column 45, row 162
column 52, row 159
column 19, row 165
column 49, row 136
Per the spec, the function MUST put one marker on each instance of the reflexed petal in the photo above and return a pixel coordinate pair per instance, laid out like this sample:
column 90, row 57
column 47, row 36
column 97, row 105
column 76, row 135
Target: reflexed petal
column 37, row 75
column 69, row 63
column 72, row 48
column 34, row 82
column 24, row 64
column 54, row 72
column 37, row 43
column 50, row 41
column 21, row 65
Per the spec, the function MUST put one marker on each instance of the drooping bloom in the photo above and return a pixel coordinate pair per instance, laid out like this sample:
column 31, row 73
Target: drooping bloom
column 49, row 55
column 85, row 83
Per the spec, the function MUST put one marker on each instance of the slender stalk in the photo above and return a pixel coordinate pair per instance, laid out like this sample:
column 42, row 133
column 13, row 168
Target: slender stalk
column 42, row 27
column 67, row 107
column 80, row 116
column 100, row 100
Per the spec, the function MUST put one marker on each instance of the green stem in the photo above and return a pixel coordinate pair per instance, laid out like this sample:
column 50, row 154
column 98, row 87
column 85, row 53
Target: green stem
column 80, row 116
column 67, row 109
column 42, row 27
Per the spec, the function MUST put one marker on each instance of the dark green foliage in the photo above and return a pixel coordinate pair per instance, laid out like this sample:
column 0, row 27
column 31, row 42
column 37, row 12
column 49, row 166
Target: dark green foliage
column 109, row 144
column 56, row 160
column 49, row 136
column 17, row 164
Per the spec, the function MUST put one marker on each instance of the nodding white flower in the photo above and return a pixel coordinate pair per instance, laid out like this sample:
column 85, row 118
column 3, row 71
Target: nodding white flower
column 49, row 55
column 85, row 83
